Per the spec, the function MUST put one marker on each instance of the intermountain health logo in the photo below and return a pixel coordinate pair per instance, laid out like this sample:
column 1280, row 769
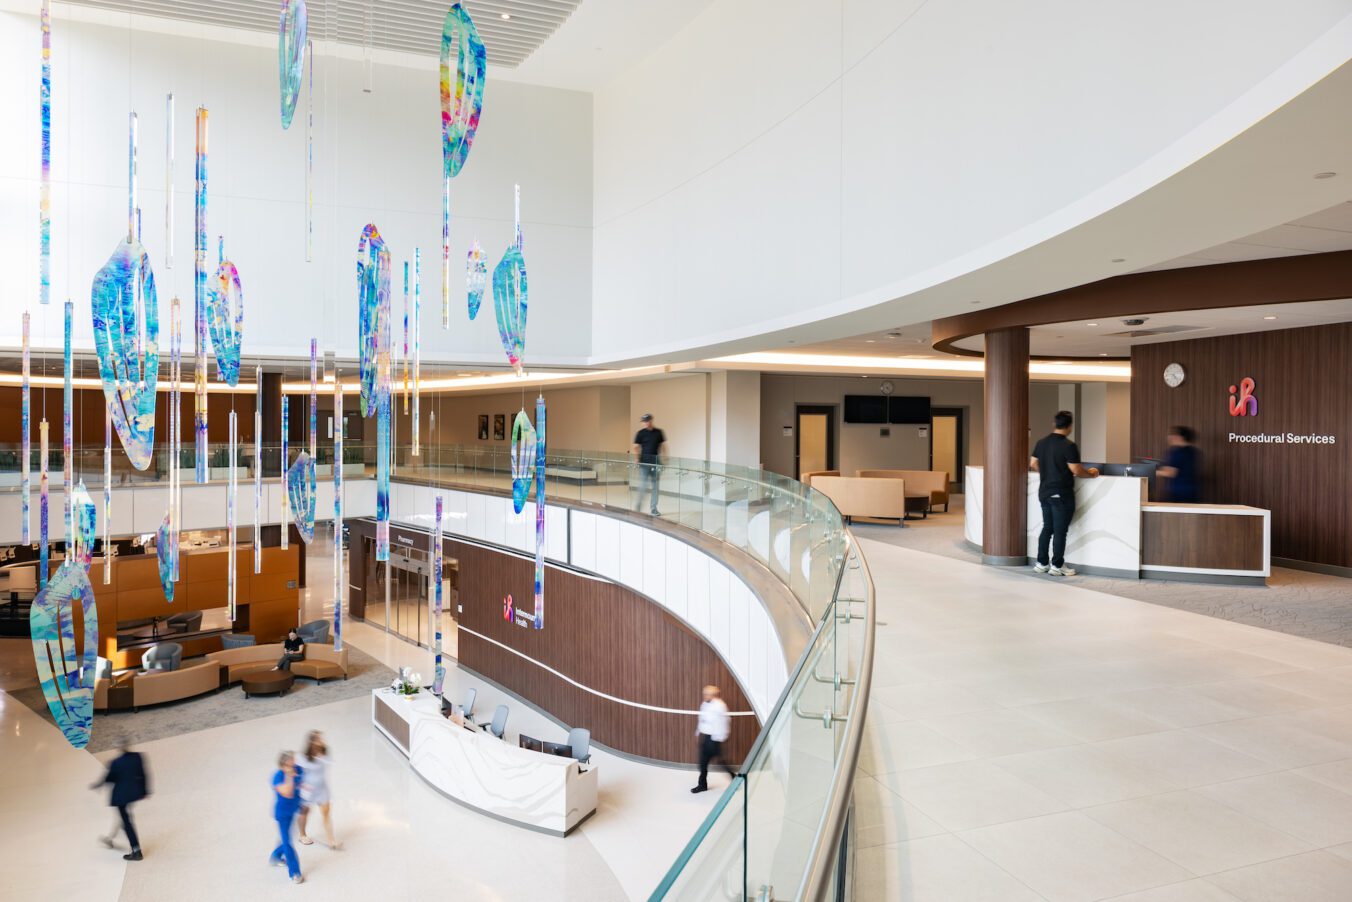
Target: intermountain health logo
column 1242, row 401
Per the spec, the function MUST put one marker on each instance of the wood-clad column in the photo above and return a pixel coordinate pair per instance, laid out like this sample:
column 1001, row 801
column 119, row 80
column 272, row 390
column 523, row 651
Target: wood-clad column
column 1004, row 512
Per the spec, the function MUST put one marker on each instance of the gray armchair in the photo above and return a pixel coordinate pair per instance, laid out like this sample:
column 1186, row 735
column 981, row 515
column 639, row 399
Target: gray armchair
column 579, row 740
column 187, row 622
column 237, row 640
column 316, row 632
column 499, row 725
column 164, row 656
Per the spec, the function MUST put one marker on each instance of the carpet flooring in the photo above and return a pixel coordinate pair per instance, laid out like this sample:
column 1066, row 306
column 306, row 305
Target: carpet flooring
column 225, row 706
column 1296, row 602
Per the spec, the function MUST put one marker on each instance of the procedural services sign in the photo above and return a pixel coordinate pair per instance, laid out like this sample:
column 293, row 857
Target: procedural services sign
column 1244, row 403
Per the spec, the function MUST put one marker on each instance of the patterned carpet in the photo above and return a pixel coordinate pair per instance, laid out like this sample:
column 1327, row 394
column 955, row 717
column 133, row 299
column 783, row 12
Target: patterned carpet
column 225, row 706
column 1311, row 605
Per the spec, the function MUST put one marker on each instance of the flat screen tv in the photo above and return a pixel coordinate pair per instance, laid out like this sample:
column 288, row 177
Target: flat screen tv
column 908, row 409
column 865, row 409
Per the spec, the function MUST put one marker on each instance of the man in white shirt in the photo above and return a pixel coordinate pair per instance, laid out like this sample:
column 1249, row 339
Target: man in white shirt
column 714, row 726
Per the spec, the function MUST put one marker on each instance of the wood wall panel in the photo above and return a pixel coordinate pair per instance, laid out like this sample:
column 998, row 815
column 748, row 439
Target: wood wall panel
column 600, row 634
column 1004, row 536
column 1301, row 388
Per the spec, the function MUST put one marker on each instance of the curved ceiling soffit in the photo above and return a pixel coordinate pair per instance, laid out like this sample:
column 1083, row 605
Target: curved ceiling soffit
column 1280, row 280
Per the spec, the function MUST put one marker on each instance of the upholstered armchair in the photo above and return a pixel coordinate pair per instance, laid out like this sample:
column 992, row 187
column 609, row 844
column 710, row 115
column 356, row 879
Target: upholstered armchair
column 164, row 656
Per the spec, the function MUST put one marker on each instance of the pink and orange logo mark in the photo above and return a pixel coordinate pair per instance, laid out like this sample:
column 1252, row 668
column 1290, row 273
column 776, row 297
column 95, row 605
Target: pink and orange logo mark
column 1242, row 401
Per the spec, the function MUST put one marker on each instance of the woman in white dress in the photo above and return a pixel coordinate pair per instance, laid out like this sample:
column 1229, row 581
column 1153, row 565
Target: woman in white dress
column 314, row 787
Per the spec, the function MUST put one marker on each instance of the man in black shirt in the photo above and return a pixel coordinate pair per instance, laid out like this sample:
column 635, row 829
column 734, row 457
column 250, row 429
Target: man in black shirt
column 1056, row 460
column 648, row 442
column 127, row 775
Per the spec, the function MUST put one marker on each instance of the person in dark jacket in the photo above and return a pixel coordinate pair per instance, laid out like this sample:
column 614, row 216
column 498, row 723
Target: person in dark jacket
column 127, row 775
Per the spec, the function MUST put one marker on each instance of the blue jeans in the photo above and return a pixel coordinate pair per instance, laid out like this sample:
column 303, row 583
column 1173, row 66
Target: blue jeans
column 286, row 850
column 1056, row 515
column 648, row 482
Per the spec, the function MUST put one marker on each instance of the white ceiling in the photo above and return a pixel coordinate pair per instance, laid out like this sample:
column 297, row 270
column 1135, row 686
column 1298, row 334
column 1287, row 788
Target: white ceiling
column 1327, row 230
column 409, row 26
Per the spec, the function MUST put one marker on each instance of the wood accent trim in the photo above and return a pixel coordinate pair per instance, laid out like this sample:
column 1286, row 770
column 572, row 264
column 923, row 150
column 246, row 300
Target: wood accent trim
column 1204, row 541
column 600, row 634
column 1281, row 280
column 1004, row 527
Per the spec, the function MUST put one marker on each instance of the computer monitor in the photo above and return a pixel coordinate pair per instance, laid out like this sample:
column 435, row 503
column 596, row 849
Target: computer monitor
column 558, row 748
column 527, row 742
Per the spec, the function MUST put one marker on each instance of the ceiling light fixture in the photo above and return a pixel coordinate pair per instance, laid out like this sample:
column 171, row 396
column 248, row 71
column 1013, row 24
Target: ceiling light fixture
column 505, row 16
column 1325, row 175
column 1269, row 317
column 1119, row 260
column 1091, row 324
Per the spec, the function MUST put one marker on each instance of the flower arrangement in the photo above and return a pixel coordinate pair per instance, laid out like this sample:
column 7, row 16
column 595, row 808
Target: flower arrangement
column 407, row 683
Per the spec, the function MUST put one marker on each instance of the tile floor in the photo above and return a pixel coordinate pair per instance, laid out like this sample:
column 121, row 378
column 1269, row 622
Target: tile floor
column 1029, row 739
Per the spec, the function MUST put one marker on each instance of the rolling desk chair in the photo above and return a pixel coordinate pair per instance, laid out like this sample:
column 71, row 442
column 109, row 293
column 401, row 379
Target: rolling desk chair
column 470, row 695
column 499, row 725
column 579, row 740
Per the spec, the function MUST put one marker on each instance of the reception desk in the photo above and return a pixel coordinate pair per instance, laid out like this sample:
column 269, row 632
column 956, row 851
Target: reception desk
column 1117, row 532
column 531, row 789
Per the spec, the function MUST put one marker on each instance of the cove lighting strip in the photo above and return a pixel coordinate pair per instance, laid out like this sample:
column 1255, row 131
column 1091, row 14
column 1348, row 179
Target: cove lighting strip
column 885, row 364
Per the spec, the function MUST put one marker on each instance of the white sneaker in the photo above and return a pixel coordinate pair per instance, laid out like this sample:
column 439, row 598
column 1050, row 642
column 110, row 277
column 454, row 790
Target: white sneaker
column 1040, row 568
column 1061, row 571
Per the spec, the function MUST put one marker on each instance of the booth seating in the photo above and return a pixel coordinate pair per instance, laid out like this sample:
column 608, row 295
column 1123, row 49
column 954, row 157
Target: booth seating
column 934, row 483
column 883, row 499
column 806, row 478
column 158, row 686
column 321, row 662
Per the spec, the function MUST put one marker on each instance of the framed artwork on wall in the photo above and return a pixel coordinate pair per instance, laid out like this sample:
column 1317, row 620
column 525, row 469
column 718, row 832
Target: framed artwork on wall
column 499, row 427
column 483, row 427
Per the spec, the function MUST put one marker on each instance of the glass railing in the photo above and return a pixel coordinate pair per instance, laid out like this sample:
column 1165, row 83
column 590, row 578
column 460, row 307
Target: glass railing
column 779, row 831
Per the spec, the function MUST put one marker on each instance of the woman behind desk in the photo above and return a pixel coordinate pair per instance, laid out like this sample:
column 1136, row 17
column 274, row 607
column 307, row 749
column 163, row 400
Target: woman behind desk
column 1182, row 466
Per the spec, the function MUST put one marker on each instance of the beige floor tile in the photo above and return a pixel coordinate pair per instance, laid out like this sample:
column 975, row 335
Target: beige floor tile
column 1188, row 891
column 881, row 817
column 1302, row 807
column 935, row 869
column 1198, row 833
column 1325, row 685
column 1179, row 707
column 916, row 701
column 1186, row 759
column 1093, row 719
column 1305, row 654
column 1335, row 773
column 1084, row 775
column 1277, row 740
column 1069, row 857
column 1312, row 877
column 902, row 746
column 971, row 794
column 1000, row 731
column 1254, row 697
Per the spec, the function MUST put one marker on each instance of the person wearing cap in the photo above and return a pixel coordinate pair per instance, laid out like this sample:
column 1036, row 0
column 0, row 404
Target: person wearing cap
column 648, row 443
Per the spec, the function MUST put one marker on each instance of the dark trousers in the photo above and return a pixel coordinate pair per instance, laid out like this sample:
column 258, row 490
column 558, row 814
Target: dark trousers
column 1056, row 516
column 287, row 658
column 709, row 749
column 124, row 811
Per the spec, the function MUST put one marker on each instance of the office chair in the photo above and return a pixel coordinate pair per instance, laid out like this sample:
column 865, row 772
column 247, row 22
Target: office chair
column 499, row 725
column 579, row 739
column 470, row 695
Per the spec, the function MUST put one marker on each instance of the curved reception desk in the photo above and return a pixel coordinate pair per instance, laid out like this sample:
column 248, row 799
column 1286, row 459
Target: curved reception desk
column 531, row 789
column 1117, row 532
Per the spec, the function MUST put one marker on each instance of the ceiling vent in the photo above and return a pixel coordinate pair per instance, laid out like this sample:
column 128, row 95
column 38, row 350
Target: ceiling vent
column 1158, row 330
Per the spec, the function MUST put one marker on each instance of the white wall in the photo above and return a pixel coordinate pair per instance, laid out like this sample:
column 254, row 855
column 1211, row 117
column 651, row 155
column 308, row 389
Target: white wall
column 781, row 161
column 680, row 408
column 1091, row 429
column 377, row 159
column 734, row 417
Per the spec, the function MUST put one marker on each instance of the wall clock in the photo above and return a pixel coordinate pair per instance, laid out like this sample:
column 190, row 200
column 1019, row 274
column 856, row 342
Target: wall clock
column 885, row 388
column 1174, row 375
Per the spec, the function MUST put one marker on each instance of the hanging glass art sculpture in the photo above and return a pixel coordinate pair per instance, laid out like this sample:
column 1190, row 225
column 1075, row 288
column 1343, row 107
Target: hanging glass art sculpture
column 45, row 186
column 439, row 674
column 405, row 337
column 65, row 673
column 85, row 517
column 339, row 552
column 68, row 402
column 461, row 104
column 232, row 489
column 227, row 332
column 310, row 155
column 314, row 398
column 510, row 296
column 175, row 430
column 417, row 351
column 540, row 513
column 291, row 41
column 200, row 293
column 476, row 277
column 523, row 459
column 108, row 495
column 43, row 489
column 26, row 449
column 164, row 556
column 125, row 312
column 258, row 471
column 302, row 495
column 373, row 290
column 169, row 181
column 286, row 503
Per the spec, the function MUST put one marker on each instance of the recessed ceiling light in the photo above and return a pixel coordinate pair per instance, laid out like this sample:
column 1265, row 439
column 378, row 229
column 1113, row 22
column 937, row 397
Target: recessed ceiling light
column 1269, row 317
column 1119, row 260
column 1104, row 354
column 506, row 16
column 975, row 302
column 1325, row 175
column 1091, row 324
column 870, row 341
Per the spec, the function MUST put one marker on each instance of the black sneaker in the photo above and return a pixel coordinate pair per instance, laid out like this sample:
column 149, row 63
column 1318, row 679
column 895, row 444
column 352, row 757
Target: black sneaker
column 700, row 789
column 133, row 855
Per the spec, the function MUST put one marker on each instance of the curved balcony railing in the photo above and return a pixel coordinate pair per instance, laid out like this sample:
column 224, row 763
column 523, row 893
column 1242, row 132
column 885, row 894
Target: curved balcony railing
column 781, row 830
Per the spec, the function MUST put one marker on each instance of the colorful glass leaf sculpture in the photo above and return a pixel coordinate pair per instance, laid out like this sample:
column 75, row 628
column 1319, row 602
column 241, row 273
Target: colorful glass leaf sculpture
column 65, row 674
column 302, row 494
column 164, row 555
column 460, row 108
column 523, row 459
column 439, row 674
column 45, row 185
column 86, row 525
column 509, row 303
column 126, row 336
column 227, row 333
column 291, row 40
column 373, row 291
column 200, row 297
column 476, row 277
column 540, row 512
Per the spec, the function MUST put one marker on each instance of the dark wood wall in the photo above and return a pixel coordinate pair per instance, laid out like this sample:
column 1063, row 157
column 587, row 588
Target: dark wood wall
column 1302, row 387
column 600, row 634
column 87, row 415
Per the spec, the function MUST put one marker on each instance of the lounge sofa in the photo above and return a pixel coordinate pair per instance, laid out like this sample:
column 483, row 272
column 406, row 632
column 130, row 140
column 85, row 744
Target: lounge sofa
column 321, row 662
column 880, row 499
column 934, row 482
column 806, row 478
column 157, row 686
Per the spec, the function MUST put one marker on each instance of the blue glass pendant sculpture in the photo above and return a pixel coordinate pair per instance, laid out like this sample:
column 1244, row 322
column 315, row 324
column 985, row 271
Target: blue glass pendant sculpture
column 164, row 556
column 65, row 674
column 302, row 493
column 227, row 331
column 523, row 459
column 128, row 349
